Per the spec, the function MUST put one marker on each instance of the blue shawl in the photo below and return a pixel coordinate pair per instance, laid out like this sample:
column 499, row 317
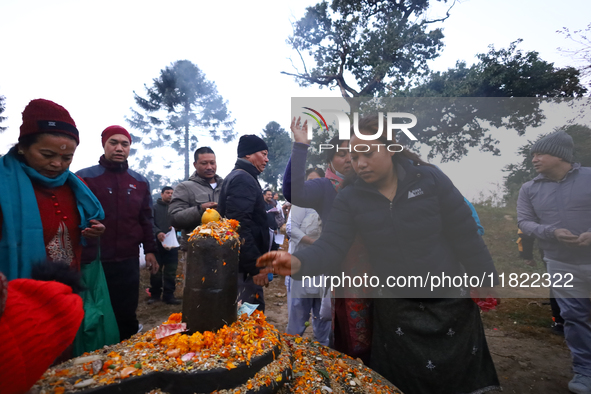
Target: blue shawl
column 22, row 243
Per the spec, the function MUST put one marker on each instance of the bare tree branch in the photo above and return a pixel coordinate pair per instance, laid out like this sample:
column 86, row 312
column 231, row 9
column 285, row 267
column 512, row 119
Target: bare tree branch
column 292, row 42
column 321, row 80
column 444, row 18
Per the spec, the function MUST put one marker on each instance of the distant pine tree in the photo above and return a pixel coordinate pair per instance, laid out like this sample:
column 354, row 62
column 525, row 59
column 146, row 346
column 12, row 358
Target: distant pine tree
column 279, row 143
column 179, row 101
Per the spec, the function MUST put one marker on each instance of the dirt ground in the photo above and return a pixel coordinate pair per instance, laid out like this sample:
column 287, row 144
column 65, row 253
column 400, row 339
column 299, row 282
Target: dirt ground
column 528, row 357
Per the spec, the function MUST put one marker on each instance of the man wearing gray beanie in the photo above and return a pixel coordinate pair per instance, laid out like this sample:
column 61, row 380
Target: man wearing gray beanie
column 555, row 207
column 241, row 198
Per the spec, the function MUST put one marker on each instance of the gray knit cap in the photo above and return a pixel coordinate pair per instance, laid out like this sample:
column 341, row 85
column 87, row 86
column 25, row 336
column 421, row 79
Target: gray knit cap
column 558, row 144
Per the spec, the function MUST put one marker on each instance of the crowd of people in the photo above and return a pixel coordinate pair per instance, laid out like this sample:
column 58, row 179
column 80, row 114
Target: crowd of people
column 368, row 210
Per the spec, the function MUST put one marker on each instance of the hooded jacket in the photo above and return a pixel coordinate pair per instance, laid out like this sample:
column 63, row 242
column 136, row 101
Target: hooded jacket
column 242, row 199
column 125, row 197
column 185, row 207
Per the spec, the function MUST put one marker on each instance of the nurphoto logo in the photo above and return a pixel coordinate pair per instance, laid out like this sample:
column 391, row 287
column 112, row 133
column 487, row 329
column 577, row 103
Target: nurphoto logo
column 345, row 127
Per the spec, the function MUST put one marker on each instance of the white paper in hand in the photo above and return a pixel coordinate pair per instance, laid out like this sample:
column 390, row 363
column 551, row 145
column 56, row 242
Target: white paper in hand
column 279, row 238
column 142, row 257
column 170, row 240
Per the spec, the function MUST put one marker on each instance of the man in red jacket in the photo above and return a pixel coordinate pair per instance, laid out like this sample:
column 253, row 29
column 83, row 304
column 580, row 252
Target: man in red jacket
column 125, row 197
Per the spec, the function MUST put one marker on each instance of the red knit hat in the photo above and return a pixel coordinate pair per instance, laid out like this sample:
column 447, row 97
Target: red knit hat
column 111, row 131
column 40, row 321
column 44, row 116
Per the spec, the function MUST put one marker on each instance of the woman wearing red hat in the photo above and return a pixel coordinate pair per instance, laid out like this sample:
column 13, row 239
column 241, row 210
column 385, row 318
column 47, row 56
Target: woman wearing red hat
column 46, row 210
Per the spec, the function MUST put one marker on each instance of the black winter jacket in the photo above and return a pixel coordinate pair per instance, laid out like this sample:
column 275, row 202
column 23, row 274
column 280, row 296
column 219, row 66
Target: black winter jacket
column 241, row 199
column 427, row 229
column 161, row 218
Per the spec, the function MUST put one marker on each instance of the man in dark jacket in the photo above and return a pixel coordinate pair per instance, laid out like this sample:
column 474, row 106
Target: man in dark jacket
column 242, row 199
column 163, row 282
column 125, row 197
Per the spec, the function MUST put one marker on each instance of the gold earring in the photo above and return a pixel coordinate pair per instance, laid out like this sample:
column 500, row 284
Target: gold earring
column 20, row 152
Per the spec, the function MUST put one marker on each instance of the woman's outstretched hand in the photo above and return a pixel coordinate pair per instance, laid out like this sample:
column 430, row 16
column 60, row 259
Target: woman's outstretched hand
column 281, row 263
column 300, row 131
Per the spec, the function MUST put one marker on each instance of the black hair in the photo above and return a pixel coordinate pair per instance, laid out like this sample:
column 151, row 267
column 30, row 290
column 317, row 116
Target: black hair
column 267, row 190
column 317, row 170
column 57, row 271
column 202, row 150
column 165, row 188
column 334, row 142
column 371, row 124
column 27, row 140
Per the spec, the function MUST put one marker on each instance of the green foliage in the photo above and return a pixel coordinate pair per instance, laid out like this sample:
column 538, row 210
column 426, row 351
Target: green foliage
column 486, row 93
column 524, row 171
column 178, row 101
column 502, row 73
column 2, row 108
column 279, row 143
column 372, row 41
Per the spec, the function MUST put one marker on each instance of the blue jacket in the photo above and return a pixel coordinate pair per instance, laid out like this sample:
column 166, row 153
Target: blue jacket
column 545, row 205
column 475, row 216
column 427, row 228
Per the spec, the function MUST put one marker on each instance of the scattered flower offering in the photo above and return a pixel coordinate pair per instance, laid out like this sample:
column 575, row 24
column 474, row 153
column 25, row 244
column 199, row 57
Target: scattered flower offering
column 319, row 369
column 222, row 230
column 302, row 366
column 228, row 348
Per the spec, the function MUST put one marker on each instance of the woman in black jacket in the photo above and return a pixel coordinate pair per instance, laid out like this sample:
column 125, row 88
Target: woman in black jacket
column 413, row 222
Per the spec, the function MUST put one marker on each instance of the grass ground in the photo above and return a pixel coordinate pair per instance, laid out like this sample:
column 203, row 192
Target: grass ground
column 525, row 315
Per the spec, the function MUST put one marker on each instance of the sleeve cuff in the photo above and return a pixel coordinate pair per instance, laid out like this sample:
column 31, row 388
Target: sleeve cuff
column 549, row 232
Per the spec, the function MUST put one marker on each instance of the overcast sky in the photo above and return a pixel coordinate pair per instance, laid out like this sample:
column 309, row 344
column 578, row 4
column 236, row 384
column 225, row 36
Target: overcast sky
column 90, row 57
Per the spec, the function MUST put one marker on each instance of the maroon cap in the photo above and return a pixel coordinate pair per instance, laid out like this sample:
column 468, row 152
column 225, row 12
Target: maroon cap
column 44, row 116
column 111, row 131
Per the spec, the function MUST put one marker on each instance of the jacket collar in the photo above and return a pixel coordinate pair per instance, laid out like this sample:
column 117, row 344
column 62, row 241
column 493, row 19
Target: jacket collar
column 112, row 166
column 159, row 201
column 407, row 172
column 202, row 181
column 243, row 164
column 542, row 177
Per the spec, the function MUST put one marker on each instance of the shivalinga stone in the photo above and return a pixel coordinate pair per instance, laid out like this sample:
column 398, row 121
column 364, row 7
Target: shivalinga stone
column 211, row 285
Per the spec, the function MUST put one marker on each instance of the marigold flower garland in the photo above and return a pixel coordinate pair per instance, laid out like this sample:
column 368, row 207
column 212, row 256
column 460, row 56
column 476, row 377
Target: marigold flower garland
column 221, row 230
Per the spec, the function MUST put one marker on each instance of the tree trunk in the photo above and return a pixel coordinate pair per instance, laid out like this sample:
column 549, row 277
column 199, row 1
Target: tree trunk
column 187, row 147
